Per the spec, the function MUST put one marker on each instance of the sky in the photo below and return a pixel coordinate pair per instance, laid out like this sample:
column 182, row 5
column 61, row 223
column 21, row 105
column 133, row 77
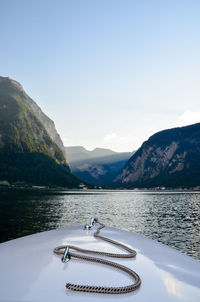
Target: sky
column 109, row 73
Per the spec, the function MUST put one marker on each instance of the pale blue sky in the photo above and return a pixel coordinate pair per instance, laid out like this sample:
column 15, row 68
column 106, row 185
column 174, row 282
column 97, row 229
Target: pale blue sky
column 109, row 73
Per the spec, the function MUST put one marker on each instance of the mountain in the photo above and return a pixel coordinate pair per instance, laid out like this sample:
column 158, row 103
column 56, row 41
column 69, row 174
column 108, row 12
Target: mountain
column 27, row 152
column 99, row 166
column 79, row 153
column 170, row 158
column 7, row 83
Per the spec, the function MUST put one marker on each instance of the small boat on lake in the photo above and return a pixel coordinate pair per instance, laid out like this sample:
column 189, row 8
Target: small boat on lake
column 54, row 266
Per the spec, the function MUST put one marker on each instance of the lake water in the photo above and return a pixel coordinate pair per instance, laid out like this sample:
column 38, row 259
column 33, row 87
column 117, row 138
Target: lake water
column 172, row 218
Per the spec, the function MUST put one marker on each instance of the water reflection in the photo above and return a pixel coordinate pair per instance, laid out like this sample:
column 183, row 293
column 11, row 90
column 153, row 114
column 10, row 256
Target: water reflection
column 169, row 217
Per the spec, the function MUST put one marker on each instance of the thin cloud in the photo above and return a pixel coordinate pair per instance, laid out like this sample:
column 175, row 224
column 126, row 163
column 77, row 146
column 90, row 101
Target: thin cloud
column 187, row 118
column 114, row 137
column 110, row 137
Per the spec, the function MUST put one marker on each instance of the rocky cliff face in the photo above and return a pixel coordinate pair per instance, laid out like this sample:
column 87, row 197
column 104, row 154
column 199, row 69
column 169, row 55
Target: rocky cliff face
column 169, row 158
column 44, row 119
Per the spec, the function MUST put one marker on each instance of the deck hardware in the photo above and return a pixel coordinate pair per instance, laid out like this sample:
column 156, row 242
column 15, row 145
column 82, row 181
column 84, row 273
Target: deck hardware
column 64, row 250
column 66, row 256
column 91, row 224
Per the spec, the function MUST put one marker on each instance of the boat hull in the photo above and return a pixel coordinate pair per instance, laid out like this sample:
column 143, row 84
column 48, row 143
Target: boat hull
column 30, row 271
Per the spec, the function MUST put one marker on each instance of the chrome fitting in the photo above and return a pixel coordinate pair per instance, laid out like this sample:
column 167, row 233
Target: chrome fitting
column 91, row 224
column 66, row 256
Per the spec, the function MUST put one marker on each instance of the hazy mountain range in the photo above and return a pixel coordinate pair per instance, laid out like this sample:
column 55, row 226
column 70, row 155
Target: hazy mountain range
column 99, row 166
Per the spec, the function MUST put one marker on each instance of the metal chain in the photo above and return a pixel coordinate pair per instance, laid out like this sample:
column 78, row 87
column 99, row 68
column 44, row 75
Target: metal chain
column 64, row 250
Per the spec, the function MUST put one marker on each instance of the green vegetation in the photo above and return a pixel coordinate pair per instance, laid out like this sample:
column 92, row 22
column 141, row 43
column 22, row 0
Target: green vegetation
column 35, row 168
column 27, row 153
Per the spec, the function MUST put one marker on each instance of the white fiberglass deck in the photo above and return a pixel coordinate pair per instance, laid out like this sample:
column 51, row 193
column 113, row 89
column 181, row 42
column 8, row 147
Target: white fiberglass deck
column 29, row 271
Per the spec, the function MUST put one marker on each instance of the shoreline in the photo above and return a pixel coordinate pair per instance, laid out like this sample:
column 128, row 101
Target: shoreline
column 57, row 189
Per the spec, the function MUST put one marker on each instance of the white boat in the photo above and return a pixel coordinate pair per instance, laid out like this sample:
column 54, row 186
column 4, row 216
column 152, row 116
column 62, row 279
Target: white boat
column 31, row 271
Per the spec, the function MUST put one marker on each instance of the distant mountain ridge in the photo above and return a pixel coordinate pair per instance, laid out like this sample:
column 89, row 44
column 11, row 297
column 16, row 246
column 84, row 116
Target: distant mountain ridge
column 79, row 153
column 27, row 152
column 169, row 158
column 99, row 166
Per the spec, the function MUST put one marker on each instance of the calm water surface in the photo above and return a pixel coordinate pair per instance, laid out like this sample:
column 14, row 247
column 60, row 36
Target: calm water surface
column 172, row 218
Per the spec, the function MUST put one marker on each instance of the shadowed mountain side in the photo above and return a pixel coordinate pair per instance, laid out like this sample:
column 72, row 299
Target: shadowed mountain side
column 35, row 168
column 170, row 158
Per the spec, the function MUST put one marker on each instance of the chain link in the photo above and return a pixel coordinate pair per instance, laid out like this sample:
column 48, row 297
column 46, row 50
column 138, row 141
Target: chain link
column 99, row 289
